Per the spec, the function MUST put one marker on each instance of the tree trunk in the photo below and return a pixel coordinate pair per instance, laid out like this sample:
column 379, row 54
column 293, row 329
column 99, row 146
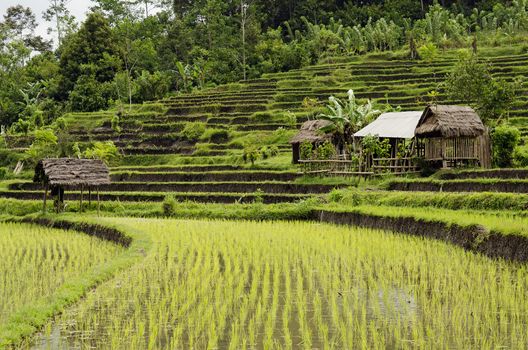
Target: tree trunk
column 58, row 23
column 243, row 13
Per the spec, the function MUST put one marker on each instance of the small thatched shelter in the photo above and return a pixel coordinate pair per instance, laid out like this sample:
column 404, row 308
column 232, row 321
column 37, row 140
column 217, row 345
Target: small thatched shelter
column 453, row 135
column 57, row 174
column 309, row 132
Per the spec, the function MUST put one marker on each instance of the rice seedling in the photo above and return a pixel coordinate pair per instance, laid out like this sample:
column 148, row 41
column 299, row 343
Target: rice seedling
column 36, row 261
column 222, row 284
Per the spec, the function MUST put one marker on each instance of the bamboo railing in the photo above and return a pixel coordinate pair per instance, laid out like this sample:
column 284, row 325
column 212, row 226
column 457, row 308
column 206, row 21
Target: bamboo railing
column 339, row 167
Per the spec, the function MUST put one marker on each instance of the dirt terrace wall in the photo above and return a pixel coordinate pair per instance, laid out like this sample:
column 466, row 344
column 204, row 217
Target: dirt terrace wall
column 100, row 231
column 203, row 168
column 474, row 238
column 202, row 176
column 506, row 186
column 225, row 199
column 236, row 187
column 488, row 174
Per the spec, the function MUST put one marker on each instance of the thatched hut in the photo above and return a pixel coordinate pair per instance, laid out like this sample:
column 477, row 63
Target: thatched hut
column 309, row 132
column 453, row 136
column 60, row 173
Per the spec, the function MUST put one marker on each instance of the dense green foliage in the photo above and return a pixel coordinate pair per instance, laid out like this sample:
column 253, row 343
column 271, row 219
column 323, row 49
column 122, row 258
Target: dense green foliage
column 471, row 81
column 505, row 139
column 127, row 52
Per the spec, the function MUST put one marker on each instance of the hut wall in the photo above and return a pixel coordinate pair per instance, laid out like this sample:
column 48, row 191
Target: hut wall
column 459, row 148
column 484, row 144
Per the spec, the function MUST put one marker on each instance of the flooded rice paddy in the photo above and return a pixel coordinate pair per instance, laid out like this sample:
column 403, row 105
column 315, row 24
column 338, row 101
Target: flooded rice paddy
column 278, row 285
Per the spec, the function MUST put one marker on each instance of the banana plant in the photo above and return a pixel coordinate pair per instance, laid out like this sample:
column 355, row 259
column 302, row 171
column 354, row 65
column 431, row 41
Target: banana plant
column 347, row 117
column 184, row 72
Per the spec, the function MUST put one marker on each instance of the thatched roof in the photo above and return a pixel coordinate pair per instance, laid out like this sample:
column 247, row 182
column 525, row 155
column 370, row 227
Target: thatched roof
column 398, row 125
column 310, row 132
column 72, row 172
column 449, row 121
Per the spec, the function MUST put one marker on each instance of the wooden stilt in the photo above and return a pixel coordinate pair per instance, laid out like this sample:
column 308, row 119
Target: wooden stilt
column 45, row 198
column 98, row 202
column 81, row 200
column 60, row 203
column 89, row 197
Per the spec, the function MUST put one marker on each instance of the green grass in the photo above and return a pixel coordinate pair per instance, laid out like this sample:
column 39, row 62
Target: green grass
column 454, row 201
column 462, row 181
column 182, row 209
column 503, row 222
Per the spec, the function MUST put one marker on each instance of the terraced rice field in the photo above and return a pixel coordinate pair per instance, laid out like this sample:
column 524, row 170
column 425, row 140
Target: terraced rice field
column 263, row 112
column 36, row 261
column 222, row 284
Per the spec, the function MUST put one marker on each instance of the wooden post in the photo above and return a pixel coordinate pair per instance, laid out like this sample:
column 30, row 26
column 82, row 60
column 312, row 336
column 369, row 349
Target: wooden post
column 98, row 202
column 45, row 198
column 443, row 152
column 81, row 200
column 60, row 205
column 89, row 197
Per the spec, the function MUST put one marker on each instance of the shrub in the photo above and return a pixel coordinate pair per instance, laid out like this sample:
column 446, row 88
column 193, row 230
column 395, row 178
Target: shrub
column 105, row 151
column 44, row 146
column 115, row 124
column 151, row 86
column 8, row 157
column 325, row 151
column 311, row 105
column 274, row 151
column 280, row 135
column 505, row 138
column 215, row 135
column 3, row 173
column 258, row 196
column 169, row 205
column 428, row 52
column 60, row 124
column 520, row 156
column 335, row 195
column 88, row 95
column 264, row 152
column 251, row 154
column 261, row 116
column 472, row 81
column 306, row 150
column 291, row 119
column 374, row 146
column 192, row 131
column 76, row 150
column 22, row 126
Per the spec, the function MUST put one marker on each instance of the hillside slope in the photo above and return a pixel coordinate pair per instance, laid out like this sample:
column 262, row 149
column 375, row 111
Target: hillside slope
column 192, row 144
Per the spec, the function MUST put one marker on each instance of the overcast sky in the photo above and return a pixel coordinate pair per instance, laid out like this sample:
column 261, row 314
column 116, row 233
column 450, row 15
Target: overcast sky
column 77, row 8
